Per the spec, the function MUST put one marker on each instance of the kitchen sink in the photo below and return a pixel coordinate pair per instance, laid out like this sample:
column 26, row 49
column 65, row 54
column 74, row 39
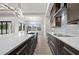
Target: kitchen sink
column 62, row 35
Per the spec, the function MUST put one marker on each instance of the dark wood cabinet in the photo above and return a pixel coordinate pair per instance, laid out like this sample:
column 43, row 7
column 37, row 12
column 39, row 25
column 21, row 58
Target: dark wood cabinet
column 26, row 48
column 52, row 44
column 73, row 13
column 57, row 6
column 22, row 51
column 52, row 47
column 58, row 47
column 68, row 50
column 58, row 21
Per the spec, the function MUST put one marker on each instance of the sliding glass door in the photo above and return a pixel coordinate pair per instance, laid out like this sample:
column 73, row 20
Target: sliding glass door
column 0, row 27
column 5, row 27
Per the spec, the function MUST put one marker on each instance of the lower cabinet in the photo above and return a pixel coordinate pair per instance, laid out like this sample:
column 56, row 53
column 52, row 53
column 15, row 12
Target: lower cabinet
column 68, row 50
column 52, row 47
column 52, row 42
column 22, row 51
column 58, row 47
column 26, row 48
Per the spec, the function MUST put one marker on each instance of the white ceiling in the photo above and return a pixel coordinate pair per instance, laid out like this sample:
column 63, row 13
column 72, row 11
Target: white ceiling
column 30, row 8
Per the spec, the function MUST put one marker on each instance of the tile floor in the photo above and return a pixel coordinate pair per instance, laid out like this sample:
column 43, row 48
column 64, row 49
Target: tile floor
column 42, row 47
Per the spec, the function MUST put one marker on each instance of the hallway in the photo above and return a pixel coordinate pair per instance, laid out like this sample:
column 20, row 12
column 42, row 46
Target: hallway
column 42, row 47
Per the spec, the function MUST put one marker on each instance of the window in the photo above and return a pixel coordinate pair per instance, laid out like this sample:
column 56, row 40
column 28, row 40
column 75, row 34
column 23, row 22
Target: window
column 9, row 27
column 20, row 26
column 23, row 27
column 0, row 27
column 29, row 28
column 4, row 27
column 34, row 27
column 39, row 28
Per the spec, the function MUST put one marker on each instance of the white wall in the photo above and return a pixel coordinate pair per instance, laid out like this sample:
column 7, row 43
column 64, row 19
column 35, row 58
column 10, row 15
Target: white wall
column 15, row 24
column 35, row 19
column 46, row 25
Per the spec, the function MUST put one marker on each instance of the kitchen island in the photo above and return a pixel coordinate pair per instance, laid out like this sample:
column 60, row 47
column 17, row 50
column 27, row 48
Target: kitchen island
column 18, row 45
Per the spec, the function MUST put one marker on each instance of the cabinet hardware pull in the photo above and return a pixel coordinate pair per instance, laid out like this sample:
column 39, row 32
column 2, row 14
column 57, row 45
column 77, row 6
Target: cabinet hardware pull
column 68, row 50
column 20, row 50
column 52, row 43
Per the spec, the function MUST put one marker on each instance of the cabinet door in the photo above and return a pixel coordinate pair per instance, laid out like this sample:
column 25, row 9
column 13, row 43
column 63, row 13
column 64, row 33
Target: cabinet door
column 52, row 44
column 59, row 46
column 21, row 51
column 31, row 45
column 58, row 21
column 53, row 39
column 66, row 51
column 70, row 49
column 52, row 47
column 73, row 12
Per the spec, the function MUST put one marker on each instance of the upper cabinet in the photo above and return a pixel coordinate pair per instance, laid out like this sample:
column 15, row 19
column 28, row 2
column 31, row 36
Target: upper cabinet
column 63, row 13
column 56, row 14
column 73, row 13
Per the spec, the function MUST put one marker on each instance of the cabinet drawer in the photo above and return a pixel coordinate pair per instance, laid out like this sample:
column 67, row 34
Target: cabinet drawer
column 53, row 52
column 53, row 40
column 59, row 46
column 66, row 51
column 52, row 43
column 21, row 51
column 52, row 48
column 70, row 49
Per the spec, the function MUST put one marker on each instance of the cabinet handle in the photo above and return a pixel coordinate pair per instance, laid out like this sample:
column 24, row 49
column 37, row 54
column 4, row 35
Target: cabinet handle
column 52, row 43
column 68, row 50
column 20, row 50
column 52, row 50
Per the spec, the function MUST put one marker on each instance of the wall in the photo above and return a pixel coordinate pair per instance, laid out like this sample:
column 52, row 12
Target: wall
column 41, row 19
column 47, row 24
column 15, row 24
column 35, row 19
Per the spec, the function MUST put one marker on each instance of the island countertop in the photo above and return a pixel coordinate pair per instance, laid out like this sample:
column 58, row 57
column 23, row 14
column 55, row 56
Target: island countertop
column 8, row 43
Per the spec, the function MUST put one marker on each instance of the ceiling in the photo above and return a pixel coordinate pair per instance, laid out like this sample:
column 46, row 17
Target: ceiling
column 30, row 8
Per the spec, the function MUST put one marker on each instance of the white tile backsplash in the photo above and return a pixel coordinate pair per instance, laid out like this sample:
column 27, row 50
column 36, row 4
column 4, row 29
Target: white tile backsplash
column 68, row 29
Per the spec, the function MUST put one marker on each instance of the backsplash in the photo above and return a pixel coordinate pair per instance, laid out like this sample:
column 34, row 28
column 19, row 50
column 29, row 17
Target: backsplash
column 71, row 30
column 68, row 29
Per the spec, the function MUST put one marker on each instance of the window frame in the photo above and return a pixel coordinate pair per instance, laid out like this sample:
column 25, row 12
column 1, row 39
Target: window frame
column 6, row 24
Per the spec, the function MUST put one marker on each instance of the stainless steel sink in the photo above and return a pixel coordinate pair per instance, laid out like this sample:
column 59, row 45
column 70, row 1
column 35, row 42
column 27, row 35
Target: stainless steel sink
column 61, row 35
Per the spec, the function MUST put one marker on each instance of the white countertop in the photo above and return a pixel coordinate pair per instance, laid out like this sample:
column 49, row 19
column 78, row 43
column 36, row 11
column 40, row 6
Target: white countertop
column 8, row 43
column 71, row 41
